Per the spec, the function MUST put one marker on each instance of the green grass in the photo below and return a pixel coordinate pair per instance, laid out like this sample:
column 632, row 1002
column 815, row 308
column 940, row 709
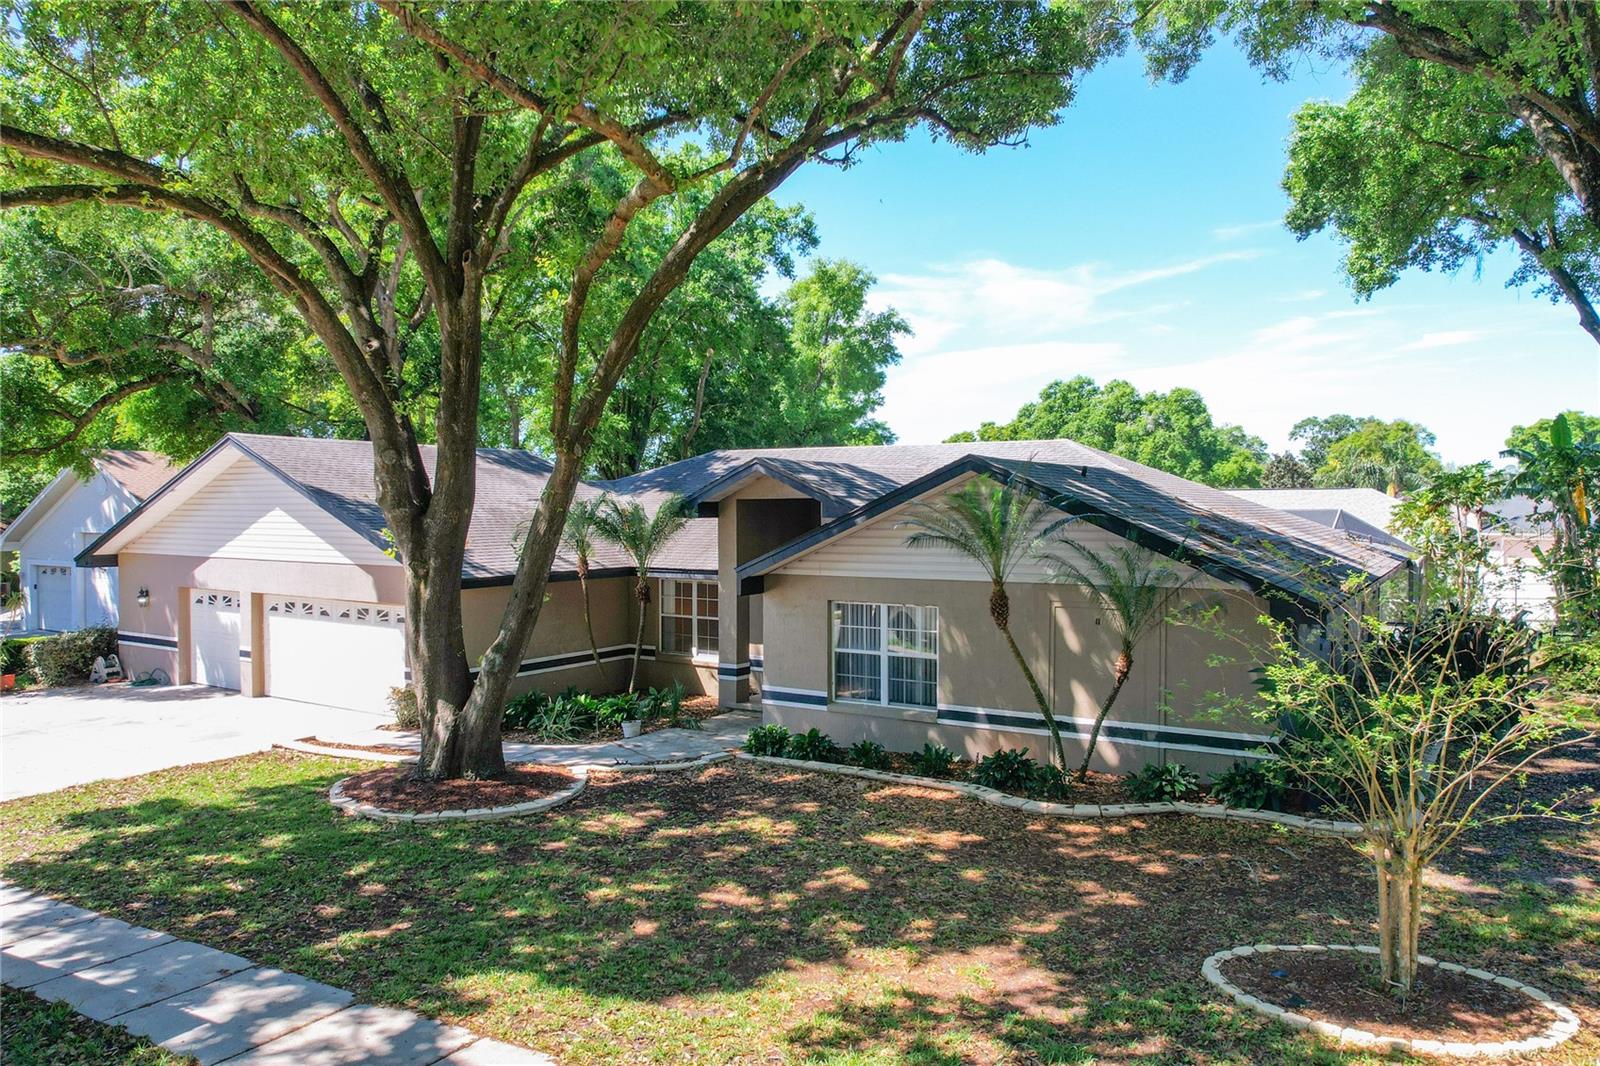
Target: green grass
column 743, row 913
column 36, row 1033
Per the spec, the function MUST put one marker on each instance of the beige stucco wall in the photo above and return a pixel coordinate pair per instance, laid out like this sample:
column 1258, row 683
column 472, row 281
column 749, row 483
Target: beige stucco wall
column 1173, row 682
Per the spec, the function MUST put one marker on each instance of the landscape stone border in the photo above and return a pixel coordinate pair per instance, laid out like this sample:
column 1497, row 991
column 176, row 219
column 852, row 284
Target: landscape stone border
column 580, row 772
column 1322, row 826
column 355, row 807
column 1564, row 1028
column 361, row 754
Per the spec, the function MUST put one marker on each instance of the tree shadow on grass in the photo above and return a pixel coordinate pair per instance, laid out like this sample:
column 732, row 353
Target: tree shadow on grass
column 679, row 903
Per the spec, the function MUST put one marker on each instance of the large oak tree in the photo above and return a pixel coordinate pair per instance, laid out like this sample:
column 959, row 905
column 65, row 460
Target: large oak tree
column 371, row 161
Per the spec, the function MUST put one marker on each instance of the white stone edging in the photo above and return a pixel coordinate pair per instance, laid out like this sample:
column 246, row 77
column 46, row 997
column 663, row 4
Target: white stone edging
column 356, row 808
column 1322, row 826
column 1561, row 1030
column 358, row 754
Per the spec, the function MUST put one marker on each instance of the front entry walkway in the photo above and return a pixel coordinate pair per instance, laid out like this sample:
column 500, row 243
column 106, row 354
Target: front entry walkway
column 716, row 734
column 213, row 1006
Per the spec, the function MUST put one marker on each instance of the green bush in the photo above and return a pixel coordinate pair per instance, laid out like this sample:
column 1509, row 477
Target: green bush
column 767, row 740
column 869, row 755
column 664, row 706
column 1246, row 785
column 934, row 760
column 14, row 657
column 812, row 746
column 1007, row 770
column 68, row 658
column 1571, row 665
column 570, row 715
column 1049, row 782
column 1163, row 782
column 403, row 705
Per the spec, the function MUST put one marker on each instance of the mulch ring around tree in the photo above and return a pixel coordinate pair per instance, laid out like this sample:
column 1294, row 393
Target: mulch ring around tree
column 381, row 749
column 1344, row 989
column 397, row 788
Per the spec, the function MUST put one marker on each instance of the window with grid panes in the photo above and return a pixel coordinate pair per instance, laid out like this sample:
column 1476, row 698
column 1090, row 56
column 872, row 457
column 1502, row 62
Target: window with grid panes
column 886, row 653
column 689, row 618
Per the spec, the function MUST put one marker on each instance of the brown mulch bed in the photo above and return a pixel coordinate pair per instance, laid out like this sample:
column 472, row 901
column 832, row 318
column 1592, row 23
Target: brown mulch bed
column 1344, row 988
column 397, row 789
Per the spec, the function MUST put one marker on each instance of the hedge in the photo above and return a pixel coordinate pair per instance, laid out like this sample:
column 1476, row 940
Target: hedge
column 68, row 658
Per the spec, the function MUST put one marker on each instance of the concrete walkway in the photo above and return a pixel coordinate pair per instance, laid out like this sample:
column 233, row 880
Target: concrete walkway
column 716, row 734
column 213, row 1006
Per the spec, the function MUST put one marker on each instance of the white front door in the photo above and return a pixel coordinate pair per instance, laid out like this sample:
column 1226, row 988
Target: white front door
column 333, row 652
column 52, row 597
column 214, row 638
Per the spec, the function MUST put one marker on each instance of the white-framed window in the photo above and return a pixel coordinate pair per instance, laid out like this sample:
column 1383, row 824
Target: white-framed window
column 689, row 618
column 886, row 653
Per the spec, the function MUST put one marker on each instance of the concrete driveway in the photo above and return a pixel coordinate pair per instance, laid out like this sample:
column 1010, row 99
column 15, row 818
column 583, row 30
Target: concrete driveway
column 60, row 737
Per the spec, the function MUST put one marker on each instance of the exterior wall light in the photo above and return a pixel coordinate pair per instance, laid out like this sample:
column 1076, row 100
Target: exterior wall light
column 143, row 597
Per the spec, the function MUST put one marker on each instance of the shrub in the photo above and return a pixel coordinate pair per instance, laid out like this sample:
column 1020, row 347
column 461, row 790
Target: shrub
column 934, row 760
column 403, row 705
column 1049, row 782
column 1572, row 666
column 1007, row 770
column 665, row 706
column 14, row 657
column 813, row 746
column 1246, row 785
column 869, row 755
column 767, row 740
column 68, row 658
column 1162, row 782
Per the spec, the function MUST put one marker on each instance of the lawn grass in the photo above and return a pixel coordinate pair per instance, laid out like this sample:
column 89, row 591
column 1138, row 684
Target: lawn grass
column 748, row 913
column 36, row 1033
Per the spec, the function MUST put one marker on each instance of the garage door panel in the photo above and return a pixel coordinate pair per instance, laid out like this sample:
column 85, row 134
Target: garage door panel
column 333, row 652
column 53, row 587
column 214, row 638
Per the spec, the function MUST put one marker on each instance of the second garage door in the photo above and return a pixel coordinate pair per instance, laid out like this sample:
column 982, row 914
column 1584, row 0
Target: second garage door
column 332, row 652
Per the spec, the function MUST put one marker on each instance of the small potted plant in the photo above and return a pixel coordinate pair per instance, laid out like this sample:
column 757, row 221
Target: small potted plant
column 633, row 711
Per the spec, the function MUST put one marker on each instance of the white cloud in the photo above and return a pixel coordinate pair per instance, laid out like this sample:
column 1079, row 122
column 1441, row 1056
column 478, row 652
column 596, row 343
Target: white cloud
column 1448, row 338
column 1247, row 229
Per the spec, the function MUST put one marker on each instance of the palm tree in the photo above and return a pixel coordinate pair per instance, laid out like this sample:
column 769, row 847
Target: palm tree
column 578, row 538
column 642, row 535
column 997, row 527
column 1133, row 585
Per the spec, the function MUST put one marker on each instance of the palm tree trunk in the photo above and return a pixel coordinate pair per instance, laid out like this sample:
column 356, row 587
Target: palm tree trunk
column 642, row 594
column 1038, row 697
column 1124, row 668
column 588, row 618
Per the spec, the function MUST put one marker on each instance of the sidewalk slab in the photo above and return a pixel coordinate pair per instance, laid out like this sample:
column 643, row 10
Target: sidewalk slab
column 233, row 1015
column 488, row 1052
column 24, row 918
column 105, row 991
column 381, row 1036
column 75, row 947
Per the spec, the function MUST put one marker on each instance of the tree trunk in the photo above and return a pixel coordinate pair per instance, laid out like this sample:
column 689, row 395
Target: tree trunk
column 1000, row 612
column 1119, row 678
column 1399, row 917
column 588, row 616
column 642, row 594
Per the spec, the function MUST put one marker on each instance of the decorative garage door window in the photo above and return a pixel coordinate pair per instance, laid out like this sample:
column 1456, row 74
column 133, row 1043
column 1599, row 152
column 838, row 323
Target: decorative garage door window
column 54, row 571
column 339, row 612
column 689, row 618
column 886, row 653
column 222, row 601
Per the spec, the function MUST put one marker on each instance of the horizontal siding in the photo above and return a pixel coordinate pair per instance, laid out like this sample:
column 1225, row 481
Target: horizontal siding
column 879, row 550
column 246, row 512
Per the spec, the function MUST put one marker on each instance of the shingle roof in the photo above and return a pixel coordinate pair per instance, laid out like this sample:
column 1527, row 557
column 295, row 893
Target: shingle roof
column 337, row 474
column 141, row 473
column 1369, row 505
column 1270, row 544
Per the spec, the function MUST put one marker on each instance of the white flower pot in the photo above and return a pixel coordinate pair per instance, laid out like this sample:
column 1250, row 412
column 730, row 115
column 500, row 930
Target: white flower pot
column 632, row 728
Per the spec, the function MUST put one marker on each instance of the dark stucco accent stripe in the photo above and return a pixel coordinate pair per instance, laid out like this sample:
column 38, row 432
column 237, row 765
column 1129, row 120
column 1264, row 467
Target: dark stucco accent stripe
column 146, row 641
column 732, row 672
column 244, row 653
column 529, row 667
column 779, row 695
column 1149, row 734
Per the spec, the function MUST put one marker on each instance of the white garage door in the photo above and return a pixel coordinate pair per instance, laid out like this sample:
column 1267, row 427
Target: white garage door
column 335, row 653
column 214, row 638
column 52, row 590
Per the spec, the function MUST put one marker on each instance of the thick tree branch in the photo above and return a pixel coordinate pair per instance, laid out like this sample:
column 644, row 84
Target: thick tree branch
column 82, row 420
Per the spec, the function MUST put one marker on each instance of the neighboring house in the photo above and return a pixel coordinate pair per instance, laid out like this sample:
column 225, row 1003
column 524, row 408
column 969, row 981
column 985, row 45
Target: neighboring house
column 61, row 521
column 1364, row 512
column 263, row 568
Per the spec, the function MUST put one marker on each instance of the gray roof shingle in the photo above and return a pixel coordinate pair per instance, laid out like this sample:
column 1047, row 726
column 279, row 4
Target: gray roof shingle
column 141, row 473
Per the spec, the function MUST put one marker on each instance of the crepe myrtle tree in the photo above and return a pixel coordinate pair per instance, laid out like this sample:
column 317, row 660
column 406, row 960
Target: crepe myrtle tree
column 1413, row 727
column 370, row 159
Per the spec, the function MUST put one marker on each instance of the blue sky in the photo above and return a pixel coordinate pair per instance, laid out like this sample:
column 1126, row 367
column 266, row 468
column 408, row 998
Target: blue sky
column 1142, row 239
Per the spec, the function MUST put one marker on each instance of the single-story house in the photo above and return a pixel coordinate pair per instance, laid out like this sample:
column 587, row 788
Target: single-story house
column 264, row 567
column 60, row 522
column 1364, row 512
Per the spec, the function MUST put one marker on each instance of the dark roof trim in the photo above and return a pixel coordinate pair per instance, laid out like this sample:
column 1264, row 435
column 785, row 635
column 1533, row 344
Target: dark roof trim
column 1064, row 502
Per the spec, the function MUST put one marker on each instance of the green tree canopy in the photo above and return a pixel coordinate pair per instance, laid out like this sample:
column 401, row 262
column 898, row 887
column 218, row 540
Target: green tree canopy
column 1171, row 431
column 376, row 161
column 1392, row 457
